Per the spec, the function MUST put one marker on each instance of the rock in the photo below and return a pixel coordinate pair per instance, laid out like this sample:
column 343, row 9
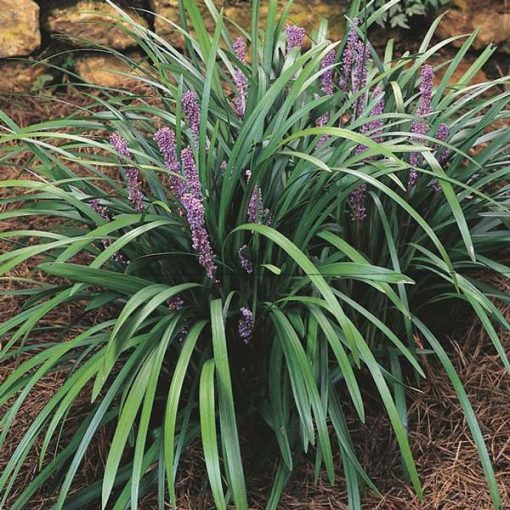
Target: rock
column 19, row 76
column 91, row 21
column 19, row 28
column 104, row 70
column 491, row 17
column 304, row 13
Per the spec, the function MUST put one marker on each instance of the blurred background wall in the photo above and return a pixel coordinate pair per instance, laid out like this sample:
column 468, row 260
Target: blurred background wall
column 41, row 40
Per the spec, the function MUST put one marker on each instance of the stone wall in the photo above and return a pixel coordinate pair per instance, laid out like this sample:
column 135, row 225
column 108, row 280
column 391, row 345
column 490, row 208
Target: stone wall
column 490, row 17
column 33, row 30
column 36, row 29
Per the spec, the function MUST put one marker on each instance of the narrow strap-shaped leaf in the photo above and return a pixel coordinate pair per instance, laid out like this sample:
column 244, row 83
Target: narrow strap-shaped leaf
column 229, row 434
column 208, row 432
column 172, row 404
column 294, row 352
column 146, row 412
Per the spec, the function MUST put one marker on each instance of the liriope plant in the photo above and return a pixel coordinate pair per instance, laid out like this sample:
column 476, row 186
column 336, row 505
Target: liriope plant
column 283, row 221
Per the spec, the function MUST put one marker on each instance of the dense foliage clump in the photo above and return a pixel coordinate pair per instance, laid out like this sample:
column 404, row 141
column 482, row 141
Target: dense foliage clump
column 277, row 228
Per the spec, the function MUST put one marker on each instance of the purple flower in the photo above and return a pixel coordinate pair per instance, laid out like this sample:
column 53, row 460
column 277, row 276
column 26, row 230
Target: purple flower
column 245, row 324
column 134, row 193
column 246, row 263
column 442, row 133
column 349, row 54
column 357, row 201
column 413, row 177
column 360, row 76
column 119, row 144
column 420, row 126
column 375, row 127
column 240, row 48
column 195, row 213
column 191, row 173
column 256, row 211
column 175, row 303
column 241, row 84
column 295, row 36
column 165, row 138
column 327, row 76
column 426, row 87
column 321, row 122
column 240, row 80
column 191, row 110
column 100, row 209
column 103, row 212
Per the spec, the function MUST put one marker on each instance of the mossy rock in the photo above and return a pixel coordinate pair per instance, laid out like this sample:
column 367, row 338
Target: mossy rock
column 306, row 14
column 93, row 22
column 19, row 28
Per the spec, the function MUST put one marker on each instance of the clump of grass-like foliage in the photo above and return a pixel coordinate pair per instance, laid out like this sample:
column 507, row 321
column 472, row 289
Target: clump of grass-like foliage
column 283, row 221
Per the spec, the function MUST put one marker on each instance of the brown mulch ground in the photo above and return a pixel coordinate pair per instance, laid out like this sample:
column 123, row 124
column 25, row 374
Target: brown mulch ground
column 445, row 454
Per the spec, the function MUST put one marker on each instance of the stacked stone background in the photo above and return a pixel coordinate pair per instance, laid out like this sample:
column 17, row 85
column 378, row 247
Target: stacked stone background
column 32, row 30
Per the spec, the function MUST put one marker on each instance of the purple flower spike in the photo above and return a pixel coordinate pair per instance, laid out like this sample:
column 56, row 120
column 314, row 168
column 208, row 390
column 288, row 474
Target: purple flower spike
column 119, row 144
column 420, row 126
column 426, row 87
column 191, row 110
column 295, row 36
column 442, row 155
column 241, row 84
column 374, row 128
column 134, row 193
column 357, row 200
column 327, row 76
column 442, row 133
column 103, row 212
column 413, row 178
column 240, row 80
column 349, row 55
column 240, row 48
column 255, row 204
column 191, row 173
column 360, row 75
column 256, row 211
column 246, row 263
column 195, row 215
column 321, row 122
column 175, row 303
column 245, row 325
column 165, row 138
column 100, row 209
